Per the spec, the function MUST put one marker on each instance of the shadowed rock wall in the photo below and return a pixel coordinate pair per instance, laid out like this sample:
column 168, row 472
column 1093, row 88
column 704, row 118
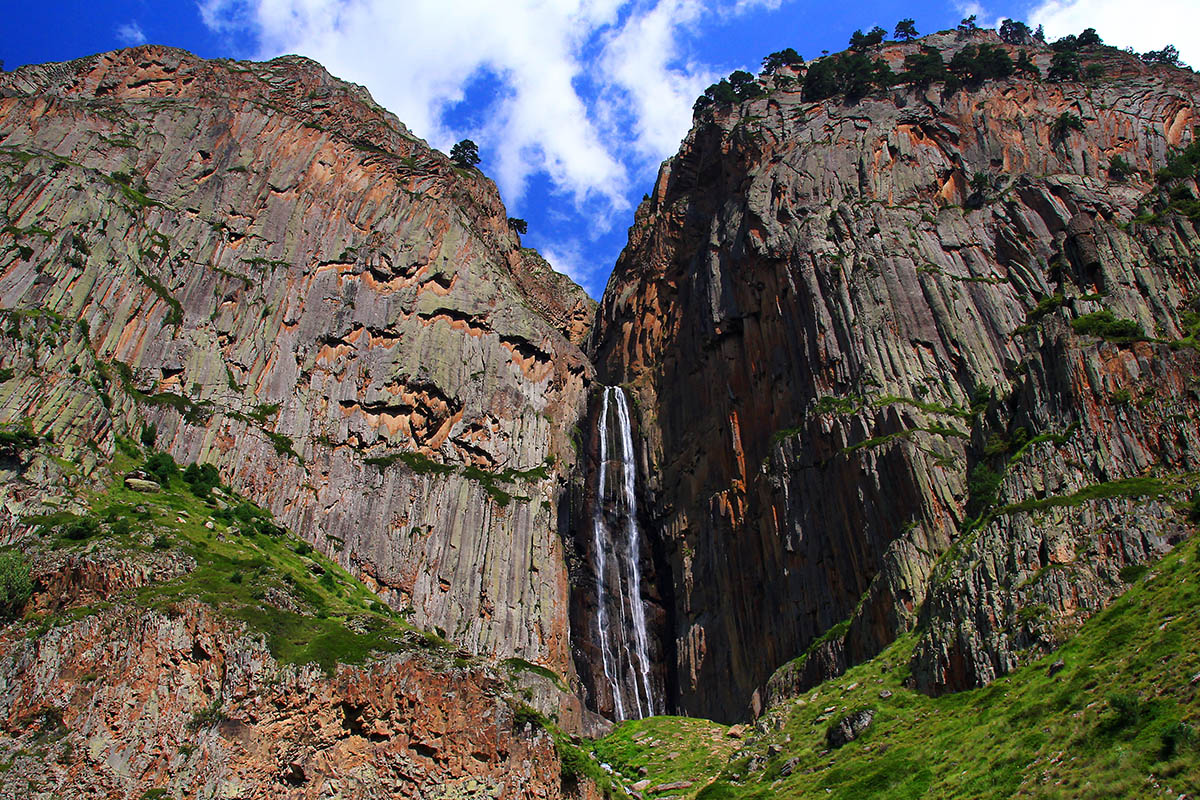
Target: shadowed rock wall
column 830, row 322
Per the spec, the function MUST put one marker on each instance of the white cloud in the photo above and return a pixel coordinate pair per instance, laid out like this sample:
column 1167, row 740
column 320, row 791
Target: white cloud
column 130, row 34
column 1146, row 25
column 657, row 99
column 742, row 6
column 577, row 82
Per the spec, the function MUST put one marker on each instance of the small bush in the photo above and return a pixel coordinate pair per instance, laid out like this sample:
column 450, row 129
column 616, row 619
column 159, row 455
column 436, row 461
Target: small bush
column 163, row 467
column 982, row 485
column 80, row 528
column 1132, row 573
column 206, row 717
column 121, row 526
column 14, row 441
column 1063, row 124
column 1119, row 169
column 1127, row 709
column 127, row 446
column 251, row 519
column 1105, row 325
column 526, row 715
column 15, row 584
column 149, row 434
column 1177, row 737
column 201, row 479
column 1183, row 164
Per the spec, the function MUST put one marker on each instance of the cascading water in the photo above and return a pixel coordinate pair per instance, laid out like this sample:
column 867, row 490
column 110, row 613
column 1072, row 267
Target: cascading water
column 620, row 608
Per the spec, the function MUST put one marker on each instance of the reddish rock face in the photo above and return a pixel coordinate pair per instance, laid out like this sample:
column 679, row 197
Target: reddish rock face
column 829, row 314
column 268, row 266
column 127, row 700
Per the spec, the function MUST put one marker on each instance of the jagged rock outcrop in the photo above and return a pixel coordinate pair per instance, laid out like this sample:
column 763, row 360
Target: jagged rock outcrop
column 133, row 702
column 848, row 328
column 266, row 265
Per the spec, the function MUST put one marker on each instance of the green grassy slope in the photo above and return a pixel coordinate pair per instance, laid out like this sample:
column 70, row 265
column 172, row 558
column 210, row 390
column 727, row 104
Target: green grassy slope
column 246, row 567
column 1119, row 718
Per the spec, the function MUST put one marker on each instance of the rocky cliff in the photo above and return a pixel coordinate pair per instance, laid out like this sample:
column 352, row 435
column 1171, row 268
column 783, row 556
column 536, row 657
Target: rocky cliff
column 255, row 267
column 921, row 356
column 274, row 272
column 199, row 709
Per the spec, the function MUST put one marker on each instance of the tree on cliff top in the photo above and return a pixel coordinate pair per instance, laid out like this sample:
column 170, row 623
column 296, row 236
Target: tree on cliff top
column 820, row 81
column 873, row 37
column 465, row 154
column 974, row 65
column 1169, row 55
column 925, row 67
column 744, row 85
column 1015, row 32
column 740, row 85
column 781, row 58
column 906, row 30
column 1064, row 66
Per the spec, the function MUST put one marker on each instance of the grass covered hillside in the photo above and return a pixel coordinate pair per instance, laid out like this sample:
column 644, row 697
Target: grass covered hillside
column 1113, row 713
column 218, row 548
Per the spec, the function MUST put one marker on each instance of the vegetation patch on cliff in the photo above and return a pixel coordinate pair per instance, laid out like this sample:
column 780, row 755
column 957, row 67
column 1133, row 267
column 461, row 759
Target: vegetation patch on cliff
column 492, row 481
column 247, row 566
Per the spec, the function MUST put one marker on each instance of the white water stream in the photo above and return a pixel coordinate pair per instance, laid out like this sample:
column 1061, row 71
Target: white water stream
column 620, row 608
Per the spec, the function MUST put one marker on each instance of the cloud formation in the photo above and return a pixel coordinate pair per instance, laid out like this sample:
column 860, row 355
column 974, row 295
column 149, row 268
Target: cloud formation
column 130, row 34
column 636, row 65
column 585, row 91
column 1141, row 25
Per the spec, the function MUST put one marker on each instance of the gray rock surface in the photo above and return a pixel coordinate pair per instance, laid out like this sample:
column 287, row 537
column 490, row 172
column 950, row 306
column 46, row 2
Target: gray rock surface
column 265, row 264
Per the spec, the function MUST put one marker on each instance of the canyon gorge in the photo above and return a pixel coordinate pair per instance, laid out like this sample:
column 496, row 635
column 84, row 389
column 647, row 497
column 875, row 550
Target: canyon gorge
column 903, row 384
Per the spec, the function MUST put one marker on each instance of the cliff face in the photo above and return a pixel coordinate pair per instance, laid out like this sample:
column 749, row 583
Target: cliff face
column 848, row 326
column 200, row 708
column 272, row 270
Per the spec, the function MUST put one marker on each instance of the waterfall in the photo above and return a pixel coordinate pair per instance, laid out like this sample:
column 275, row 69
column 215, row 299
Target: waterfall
column 620, row 609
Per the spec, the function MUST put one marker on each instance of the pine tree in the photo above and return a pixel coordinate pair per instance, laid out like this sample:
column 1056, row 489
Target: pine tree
column 782, row 58
column 465, row 154
column 906, row 30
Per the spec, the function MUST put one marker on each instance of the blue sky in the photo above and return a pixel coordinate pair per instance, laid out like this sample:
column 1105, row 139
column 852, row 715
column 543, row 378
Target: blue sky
column 574, row 103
